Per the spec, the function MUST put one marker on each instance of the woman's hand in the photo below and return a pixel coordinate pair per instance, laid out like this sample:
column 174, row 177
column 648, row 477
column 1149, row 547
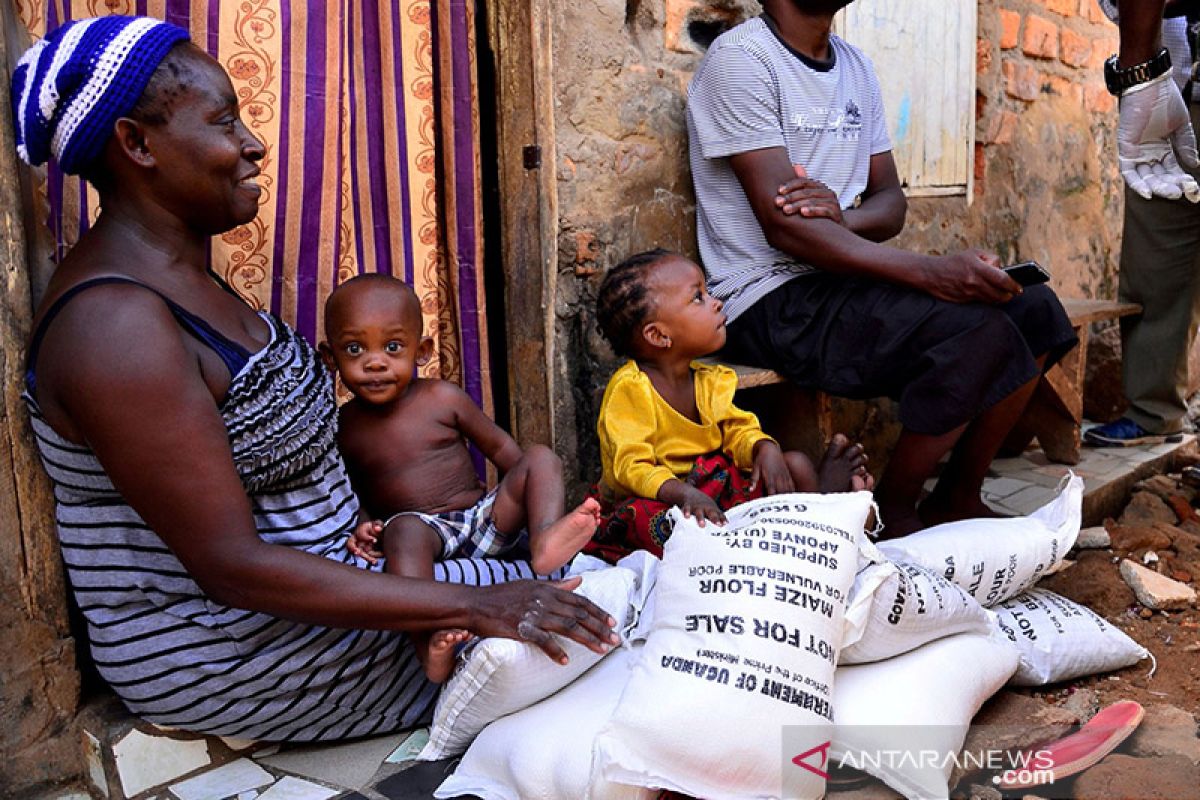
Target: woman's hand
column 771, row 468
column 363, row 542
column 531, row 611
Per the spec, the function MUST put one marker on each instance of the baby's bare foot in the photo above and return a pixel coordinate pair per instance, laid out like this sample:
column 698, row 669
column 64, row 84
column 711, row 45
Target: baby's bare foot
column 558, row 543
column 843, row 468
column 440, row 652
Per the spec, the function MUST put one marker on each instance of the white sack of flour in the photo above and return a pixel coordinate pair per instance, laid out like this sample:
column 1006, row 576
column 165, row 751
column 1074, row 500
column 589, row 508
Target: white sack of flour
column 995, row 559
column 746, row 631
column 1059, row 639
column 545, row 751
column 904, row 720
column 908, row 605
column 499, row 676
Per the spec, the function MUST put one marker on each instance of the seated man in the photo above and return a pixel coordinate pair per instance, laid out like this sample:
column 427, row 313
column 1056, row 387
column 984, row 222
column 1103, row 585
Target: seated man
column 795, row 189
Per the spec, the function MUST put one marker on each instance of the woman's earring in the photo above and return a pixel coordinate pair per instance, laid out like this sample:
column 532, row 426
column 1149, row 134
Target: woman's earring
column 668, row 342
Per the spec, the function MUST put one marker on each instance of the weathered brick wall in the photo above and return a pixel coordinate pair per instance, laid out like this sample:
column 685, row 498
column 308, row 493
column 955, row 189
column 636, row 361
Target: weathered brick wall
column 1046, row 185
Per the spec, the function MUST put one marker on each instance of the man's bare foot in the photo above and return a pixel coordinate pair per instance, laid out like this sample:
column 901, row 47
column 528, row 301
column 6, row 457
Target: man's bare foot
column 559, row 542
column 898, row 522
column 843, row 468
column 936, row 509
column 438, row 654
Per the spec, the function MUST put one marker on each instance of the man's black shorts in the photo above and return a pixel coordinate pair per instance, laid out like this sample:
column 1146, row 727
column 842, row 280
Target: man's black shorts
column 944, row 362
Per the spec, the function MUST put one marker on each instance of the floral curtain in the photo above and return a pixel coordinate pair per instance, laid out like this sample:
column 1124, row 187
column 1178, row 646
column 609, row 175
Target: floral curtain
column 369, row 112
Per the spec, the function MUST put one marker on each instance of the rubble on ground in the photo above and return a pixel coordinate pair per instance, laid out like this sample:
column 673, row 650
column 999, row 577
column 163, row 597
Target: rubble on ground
column 1162, row 758
column 1156, row 591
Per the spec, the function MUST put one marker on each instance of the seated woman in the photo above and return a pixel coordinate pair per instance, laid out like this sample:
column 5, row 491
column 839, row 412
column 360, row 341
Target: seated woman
column 202, row 504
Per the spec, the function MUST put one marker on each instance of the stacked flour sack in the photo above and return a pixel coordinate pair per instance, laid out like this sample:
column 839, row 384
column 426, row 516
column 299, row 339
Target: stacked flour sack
column 762, row 653
column 952, row 617
column 731, row 652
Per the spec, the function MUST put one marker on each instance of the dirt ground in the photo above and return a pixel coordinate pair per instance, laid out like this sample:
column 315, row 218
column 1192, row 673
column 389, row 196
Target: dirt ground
column 1173, row 637
column 1159, row 527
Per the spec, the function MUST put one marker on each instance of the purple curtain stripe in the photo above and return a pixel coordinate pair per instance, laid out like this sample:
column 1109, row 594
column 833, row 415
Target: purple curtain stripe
column 312, row 226
column 403, row 156
column 282, row 159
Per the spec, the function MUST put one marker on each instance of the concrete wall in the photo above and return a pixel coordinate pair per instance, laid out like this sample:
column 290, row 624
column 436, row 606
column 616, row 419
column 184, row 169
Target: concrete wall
column 1046, row 184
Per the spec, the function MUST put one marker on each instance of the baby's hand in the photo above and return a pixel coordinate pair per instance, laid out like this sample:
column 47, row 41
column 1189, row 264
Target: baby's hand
column 364, row 541
column 771, row 468
column 697, row 504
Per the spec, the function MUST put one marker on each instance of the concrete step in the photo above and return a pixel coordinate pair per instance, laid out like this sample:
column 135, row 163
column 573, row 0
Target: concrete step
column 1022, row 484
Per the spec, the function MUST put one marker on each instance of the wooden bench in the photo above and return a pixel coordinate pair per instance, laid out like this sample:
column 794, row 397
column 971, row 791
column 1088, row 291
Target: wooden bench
column 805, row 418
column 1055, row 411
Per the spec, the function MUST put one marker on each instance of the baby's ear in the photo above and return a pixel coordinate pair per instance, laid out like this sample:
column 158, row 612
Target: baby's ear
column 424, row 351
column 327, row 356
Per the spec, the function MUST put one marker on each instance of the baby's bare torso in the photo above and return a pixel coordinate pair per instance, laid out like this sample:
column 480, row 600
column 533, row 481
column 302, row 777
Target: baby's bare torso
column 410, row 456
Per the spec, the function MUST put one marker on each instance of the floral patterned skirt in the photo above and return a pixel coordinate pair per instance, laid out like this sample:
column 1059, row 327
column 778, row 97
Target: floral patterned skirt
column 638, row 523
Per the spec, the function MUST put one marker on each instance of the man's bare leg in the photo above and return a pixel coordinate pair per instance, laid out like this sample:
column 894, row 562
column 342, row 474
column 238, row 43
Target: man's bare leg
column 913, row 460
column 957, row 494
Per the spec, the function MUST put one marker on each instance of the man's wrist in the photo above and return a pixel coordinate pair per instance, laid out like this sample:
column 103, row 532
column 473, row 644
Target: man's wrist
column 1119, row 79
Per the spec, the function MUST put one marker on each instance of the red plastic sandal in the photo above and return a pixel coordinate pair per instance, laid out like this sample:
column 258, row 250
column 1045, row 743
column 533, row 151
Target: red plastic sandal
column 1061, row 758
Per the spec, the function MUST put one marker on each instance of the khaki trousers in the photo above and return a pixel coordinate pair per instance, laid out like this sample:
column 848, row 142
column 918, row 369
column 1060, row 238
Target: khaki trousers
column 1160, row 269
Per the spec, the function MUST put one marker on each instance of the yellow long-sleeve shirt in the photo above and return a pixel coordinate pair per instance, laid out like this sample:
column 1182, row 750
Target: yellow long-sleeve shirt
column 644, row 442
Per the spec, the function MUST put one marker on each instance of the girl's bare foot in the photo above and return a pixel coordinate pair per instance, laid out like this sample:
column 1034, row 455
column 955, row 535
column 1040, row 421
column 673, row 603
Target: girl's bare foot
column 843, row 468
column 559, row 542
column 440, row 652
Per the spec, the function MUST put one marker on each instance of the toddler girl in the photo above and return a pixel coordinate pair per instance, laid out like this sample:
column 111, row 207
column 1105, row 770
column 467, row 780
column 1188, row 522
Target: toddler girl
column 669, row 432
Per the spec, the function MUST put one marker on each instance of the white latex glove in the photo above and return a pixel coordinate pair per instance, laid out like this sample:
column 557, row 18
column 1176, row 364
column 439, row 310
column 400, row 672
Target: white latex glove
column 1153, row 118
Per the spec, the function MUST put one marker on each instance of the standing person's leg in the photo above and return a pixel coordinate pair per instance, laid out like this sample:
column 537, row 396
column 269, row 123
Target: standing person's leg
column 1160, row 269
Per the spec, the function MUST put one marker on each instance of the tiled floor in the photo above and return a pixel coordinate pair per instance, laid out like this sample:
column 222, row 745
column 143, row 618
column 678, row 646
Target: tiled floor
column 140, row 761
column 152, row 764
column 1020, row 485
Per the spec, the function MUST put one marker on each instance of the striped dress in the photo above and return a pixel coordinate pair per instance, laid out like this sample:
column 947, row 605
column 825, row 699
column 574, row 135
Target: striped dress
column 177, row 658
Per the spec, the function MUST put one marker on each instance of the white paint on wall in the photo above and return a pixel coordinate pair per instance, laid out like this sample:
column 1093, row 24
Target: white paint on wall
column 924, row 54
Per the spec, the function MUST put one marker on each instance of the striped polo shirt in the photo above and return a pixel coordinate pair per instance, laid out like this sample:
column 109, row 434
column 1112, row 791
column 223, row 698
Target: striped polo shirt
column 752, row 92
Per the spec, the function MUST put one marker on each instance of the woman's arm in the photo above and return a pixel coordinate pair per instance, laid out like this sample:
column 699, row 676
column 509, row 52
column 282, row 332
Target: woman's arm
column 135, row 394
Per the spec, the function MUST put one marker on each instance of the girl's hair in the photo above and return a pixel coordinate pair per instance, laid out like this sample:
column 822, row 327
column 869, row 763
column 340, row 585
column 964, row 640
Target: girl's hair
column 624, row 302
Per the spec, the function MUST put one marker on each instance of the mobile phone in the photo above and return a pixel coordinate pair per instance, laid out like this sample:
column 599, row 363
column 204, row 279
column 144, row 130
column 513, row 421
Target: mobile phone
column 1027, row 273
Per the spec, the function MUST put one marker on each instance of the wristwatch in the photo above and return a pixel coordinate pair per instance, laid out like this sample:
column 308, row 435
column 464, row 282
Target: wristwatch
column 1118, row 79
